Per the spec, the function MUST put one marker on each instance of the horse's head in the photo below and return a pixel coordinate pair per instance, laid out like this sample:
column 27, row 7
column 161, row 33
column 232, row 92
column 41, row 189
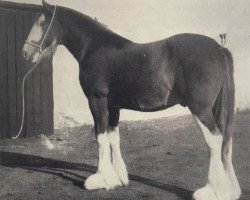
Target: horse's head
column 44, row 34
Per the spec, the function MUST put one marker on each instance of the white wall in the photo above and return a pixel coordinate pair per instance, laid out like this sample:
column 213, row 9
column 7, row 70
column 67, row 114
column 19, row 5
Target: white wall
column 145, row 21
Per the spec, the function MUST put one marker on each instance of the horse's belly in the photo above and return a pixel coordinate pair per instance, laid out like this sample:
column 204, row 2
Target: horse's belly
column 145, row 102
column 151, row 104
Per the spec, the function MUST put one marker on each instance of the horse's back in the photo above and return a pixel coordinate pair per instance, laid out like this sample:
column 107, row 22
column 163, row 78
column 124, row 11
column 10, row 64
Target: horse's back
column 193, row 48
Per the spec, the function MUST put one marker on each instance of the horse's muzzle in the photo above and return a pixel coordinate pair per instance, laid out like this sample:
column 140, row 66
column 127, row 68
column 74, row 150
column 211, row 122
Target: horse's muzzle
column 30, row 53
column 25, row 56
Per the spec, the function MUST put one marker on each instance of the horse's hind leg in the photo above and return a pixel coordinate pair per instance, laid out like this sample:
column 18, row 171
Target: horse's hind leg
column 218, row 184
column 227, row 161
column 114, row 138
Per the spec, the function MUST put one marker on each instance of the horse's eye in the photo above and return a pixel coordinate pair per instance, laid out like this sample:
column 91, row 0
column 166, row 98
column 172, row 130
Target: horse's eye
column 42, row 23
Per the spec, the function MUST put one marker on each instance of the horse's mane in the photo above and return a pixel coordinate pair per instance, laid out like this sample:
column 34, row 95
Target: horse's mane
column 88, row 21
column 85, row 18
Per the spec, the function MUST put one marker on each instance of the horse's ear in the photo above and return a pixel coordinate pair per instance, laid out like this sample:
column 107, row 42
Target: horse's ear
column 47, row 6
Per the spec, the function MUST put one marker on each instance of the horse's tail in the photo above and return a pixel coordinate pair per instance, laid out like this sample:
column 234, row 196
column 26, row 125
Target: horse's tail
column 223, row 109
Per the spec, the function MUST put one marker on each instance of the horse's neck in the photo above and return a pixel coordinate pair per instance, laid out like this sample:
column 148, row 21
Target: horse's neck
column 75, row 40
column 78, row 45
column 80, row 33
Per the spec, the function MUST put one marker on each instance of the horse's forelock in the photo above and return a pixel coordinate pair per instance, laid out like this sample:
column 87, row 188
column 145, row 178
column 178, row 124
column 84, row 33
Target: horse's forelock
column 47, row 14
column 38, row 15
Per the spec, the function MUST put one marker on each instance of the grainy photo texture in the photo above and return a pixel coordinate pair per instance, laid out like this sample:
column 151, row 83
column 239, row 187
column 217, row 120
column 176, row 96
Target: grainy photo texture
column 124, row 99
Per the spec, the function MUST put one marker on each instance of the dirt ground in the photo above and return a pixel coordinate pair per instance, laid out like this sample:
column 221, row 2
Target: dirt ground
column 166, row 158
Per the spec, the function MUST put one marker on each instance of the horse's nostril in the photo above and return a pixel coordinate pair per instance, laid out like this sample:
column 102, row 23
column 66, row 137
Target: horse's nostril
column 24, row 54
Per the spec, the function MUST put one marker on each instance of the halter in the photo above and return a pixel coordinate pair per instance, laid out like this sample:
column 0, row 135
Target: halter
column 44, row 37
column 30, row 71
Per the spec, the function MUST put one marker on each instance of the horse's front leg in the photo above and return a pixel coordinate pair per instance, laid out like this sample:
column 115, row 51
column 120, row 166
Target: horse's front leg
column 114, row 138
column 105, row 177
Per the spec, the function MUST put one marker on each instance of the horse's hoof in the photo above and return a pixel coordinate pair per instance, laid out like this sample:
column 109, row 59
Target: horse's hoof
column 100, row 181
column 208, row 193
column 205, row 193
column 236, row 194
column 124, row 178
column 121, row 171
column 235, row 187
column 94, row 182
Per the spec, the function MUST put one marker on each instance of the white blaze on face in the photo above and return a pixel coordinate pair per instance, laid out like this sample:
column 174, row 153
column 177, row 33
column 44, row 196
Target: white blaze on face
column 36, row 32
column 35, row 36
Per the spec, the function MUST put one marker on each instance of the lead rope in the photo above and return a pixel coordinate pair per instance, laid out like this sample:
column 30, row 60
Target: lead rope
column 23, row 97
column 30, row 71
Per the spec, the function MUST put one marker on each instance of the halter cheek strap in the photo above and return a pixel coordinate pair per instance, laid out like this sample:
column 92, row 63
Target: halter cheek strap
column 45, row 36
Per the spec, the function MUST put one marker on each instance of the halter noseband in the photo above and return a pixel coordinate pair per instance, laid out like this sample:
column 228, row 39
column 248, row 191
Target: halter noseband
column 44, row 37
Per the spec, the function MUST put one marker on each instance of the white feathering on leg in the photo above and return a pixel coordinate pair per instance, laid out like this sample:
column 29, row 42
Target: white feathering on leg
column 235, row 187
column 218, row 185
column 118, row 163
column 105, row 176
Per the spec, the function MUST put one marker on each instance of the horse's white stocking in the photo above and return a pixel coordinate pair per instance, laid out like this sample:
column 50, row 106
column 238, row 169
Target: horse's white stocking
column 218, row 185
column 227, row 155
column 118, row 163
column 105, row 176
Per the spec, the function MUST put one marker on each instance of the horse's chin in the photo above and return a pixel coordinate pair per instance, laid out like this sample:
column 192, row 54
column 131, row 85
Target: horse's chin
column 35, row 58
column 34, row 61
column 47, row 52
column 50, row 51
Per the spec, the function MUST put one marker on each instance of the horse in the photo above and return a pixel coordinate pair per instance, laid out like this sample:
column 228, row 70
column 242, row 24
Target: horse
column 116, row 73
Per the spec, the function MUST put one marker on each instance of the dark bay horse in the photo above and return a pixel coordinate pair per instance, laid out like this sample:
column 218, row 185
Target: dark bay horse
column 115, row 73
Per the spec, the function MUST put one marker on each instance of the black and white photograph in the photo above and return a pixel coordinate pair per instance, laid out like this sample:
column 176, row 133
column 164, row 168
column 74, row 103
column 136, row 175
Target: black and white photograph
column 124, row 100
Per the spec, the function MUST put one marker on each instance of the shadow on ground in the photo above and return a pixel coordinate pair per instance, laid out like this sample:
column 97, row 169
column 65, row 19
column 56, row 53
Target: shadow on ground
column 59, row 168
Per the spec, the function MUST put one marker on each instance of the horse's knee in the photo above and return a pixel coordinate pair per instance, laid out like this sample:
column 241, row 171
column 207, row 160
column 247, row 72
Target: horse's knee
column 99, row 110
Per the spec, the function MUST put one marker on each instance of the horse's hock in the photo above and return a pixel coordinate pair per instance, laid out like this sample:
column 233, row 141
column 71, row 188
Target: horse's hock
column 15, row 23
